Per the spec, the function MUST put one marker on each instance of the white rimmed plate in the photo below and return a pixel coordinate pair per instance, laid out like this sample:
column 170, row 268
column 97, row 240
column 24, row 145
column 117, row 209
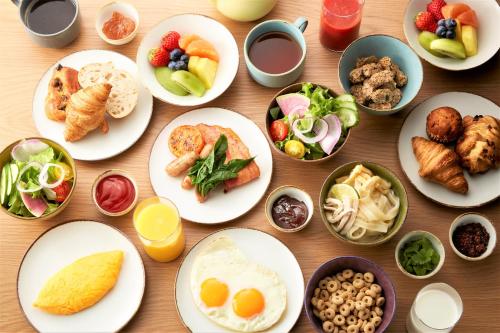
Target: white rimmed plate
column 205, row 27
column 59, row 247
column 483, row 188
column 271, row 253
column 487, row 12
column 123, row 133
column 219, row 207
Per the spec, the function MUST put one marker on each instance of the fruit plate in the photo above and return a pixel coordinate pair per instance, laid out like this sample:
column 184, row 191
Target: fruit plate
column 123, row 133
column 60, row 246
column 205, row 27
column 271, row 253
column 487, row 12
column 482, row 188
column 219, row 207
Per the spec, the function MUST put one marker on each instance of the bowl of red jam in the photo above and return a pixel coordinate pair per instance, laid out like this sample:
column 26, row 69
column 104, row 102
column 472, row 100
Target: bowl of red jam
column 114, row 193
column 289, row 208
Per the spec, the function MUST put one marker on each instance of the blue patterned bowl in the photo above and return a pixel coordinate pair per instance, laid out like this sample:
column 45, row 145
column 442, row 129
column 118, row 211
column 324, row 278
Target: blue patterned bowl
column 380, row 46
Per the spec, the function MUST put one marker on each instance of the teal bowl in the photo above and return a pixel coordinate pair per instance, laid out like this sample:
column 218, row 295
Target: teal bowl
column 380, row 46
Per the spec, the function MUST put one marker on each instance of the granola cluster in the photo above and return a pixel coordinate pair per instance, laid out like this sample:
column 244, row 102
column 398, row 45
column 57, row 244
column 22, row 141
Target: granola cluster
column 376, row 82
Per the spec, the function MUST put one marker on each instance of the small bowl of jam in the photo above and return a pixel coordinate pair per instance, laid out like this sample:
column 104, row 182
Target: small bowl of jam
column 114, row 193
column 117, row 23
column 289, row 209
column 472, row 236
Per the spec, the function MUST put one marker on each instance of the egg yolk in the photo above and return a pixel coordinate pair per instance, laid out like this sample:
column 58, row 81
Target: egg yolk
column 214, row 292
column 248, row 303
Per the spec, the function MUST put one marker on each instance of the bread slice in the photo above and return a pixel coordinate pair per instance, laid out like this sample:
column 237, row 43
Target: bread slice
column 124, row 94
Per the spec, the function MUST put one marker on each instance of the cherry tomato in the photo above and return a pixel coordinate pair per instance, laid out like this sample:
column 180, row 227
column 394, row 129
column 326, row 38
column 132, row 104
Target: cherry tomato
column 295, row 149
column 279, row 130
column 62, row 191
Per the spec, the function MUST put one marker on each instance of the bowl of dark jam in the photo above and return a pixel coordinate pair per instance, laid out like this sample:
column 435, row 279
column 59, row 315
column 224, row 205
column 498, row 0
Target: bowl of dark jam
column 289, row 208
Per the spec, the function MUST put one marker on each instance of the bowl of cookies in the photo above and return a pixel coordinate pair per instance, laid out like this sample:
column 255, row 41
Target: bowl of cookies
column 382, row 73
column 350, row 294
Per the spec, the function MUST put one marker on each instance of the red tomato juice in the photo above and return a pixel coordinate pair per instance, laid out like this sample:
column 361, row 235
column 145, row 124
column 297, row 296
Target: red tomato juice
column 340, row 21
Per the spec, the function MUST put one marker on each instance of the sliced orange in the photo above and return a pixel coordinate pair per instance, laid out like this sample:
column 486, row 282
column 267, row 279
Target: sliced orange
column 202, row 49
column 454, row 9
column 468, row 18
column 186, row 40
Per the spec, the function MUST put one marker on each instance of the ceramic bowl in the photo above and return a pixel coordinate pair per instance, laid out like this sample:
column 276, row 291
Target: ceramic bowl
column 487, row 12
column 436, row 243
column 105, row 13
column 381, row 171
column 357, row 264
column 5, row 156
column 380, row 46
column 205, row 27
column 467, row 218
column 112, row 172
column 293, row 192
column 296, row 87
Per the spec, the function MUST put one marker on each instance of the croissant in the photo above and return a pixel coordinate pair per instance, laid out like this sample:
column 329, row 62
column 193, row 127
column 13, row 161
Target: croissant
column 439, row 164
column 62, row 85
column 479, row 146
column 86, row 110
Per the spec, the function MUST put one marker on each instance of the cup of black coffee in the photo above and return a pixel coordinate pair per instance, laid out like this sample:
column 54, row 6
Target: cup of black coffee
column 50, row 23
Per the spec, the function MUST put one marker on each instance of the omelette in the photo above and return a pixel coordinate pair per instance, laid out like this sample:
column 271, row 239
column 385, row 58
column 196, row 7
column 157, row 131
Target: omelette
column 80, row 284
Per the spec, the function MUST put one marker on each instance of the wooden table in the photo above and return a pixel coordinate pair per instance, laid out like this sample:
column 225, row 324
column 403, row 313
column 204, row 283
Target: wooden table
column 22, row 64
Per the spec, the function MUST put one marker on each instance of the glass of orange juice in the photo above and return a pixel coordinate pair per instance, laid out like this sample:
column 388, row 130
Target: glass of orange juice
column 159, row 227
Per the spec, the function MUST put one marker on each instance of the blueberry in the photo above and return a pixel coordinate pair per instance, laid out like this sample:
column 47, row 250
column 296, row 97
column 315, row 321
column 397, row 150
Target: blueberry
column 171, row 65
column 450, row 23
column 184, row 58
column 180, row 65
column 450, row 34
column 176, row 54
column 441, row 31
column 441, row 23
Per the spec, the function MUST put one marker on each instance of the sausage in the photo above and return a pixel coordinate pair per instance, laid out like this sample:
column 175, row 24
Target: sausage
column 201, row 198
column 187, row 184
column 182, row 163
column 206, row 150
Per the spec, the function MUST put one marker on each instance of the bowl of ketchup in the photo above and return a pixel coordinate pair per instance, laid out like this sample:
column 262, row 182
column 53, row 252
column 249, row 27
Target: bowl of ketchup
column 114, row 193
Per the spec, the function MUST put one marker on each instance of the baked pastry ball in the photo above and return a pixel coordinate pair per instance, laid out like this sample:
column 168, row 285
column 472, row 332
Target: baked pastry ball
column 444, row 125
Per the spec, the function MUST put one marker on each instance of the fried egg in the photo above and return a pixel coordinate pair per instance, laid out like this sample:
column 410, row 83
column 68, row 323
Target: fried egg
column 235, row 292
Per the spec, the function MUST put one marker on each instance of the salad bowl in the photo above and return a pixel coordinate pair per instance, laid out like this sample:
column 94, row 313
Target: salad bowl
column 6, row 157
column 312, row 153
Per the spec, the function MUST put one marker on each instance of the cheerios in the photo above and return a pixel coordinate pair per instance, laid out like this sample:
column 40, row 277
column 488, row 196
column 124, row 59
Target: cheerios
column 320, row 305
column 376, row 288
column 339, row 320
column 379, row 311
column 359, row 305
column 364, row 314
column 376, row 321
column 358, row 276
column 344, row 310
column 339, row 277
column 380, row 301
column 322, row 315
column 352, row 329
column 367, row 300
column 351, row 320
column 324, row 295
column 329, row 313
column 332, row 286
column 316, row 292
column 350, row 303
column 328, row 326
column 369, row 328
column 314, row 301
column 358, row 283
column 347, row 273
column 368, row 277
column 337, row 300
column 322, row 284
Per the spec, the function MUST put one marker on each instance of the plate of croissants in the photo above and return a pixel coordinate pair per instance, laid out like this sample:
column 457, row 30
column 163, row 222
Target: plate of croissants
column 92, row 103
column 449, row 148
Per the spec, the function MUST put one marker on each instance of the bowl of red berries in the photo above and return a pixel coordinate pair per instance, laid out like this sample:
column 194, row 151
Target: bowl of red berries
column 188, row 60
column 453, row 34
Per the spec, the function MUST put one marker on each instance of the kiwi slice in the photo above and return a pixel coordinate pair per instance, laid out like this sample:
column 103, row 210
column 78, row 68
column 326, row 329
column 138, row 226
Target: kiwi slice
column 163, row 75
column 448, row 47
column 189, row 82
column 425, row 39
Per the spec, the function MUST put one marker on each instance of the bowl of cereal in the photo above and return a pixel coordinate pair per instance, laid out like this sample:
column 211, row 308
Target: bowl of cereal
column 350, row 293
column 382, row 73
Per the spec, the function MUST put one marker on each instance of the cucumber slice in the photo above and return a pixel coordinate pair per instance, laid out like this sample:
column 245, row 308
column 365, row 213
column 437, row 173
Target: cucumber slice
column 14, row 171
column 3, row 184
column 345, row 98
column 348, row 117
column 9, row 182
column 348, row 105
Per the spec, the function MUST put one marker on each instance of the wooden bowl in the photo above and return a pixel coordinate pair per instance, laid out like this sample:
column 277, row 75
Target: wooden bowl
column 296, row 87
column 6, row 157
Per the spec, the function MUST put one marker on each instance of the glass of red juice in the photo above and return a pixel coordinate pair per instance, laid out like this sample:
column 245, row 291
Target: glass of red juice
column 340, row 21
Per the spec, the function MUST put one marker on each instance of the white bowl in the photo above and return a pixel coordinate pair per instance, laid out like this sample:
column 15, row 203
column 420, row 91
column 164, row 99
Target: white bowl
column 436, row 243
column 488, row 13
column 105, row 13
column 467, row 218
column 295, row 193
column 205, row 27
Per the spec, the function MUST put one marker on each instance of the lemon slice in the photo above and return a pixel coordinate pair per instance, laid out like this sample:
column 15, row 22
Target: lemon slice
column 340, row 191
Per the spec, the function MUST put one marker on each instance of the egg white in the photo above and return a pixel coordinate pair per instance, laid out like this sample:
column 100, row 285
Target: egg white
column 223, row 260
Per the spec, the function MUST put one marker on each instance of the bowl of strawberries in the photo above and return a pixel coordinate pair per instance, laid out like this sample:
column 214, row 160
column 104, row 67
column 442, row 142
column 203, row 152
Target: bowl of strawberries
column 453, row 34
column 188, row 60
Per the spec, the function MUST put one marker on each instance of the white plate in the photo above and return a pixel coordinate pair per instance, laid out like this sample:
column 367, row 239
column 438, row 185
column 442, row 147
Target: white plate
column 205, row 27
column 61, row 246
column 488, row 13
column 123, row 133
column 270, row 252
column 482, row 188
column 219, row 207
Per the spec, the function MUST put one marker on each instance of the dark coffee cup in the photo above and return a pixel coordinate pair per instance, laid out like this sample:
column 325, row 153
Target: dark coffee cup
column 50, row 23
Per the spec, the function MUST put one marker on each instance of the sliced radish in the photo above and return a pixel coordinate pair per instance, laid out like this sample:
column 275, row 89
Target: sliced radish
column 332, row 136
column 36, row 206
column 24, row 149
column 320, row 130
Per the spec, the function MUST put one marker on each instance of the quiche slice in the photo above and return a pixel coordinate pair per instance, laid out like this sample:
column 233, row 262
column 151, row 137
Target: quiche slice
column 80, row 284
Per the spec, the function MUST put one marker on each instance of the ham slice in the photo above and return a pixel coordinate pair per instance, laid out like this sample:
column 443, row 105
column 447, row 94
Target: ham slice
column 236, row 149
